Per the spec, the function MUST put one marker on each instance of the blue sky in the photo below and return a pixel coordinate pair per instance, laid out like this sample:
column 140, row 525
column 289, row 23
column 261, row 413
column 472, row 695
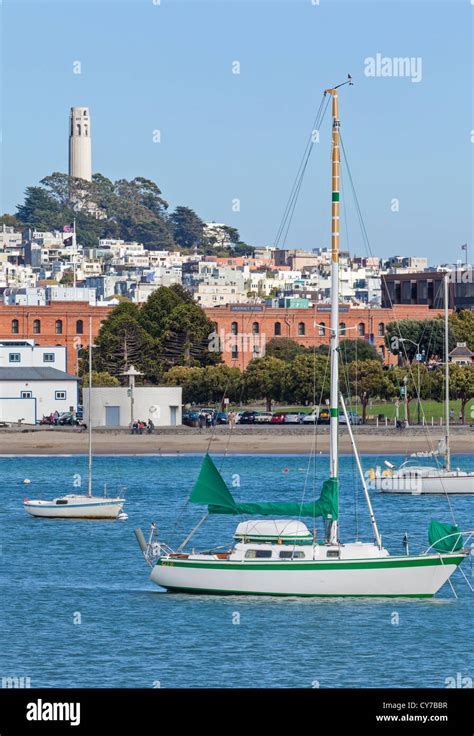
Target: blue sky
column 224, row 136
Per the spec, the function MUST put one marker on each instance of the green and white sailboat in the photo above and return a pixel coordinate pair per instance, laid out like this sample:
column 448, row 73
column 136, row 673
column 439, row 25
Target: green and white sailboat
column 275, row 553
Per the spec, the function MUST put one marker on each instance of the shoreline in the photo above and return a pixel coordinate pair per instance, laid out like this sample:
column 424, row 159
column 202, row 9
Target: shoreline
column 249, row 440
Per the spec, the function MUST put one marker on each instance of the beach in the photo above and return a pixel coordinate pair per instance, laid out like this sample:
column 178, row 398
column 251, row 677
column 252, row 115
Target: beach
column 248, row 440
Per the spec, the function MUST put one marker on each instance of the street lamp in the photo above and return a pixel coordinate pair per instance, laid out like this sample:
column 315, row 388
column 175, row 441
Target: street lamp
column 419, row 357
column 131, row 373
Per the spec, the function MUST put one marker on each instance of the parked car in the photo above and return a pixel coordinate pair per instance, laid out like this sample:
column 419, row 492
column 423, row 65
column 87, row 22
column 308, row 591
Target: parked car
column 222, row 418
column 263, row 417
column 278, row 418
column 293, row 417
column 354, row 418
column 248, row 417
column 68, row 418
column 317, row 416
column 191, row 418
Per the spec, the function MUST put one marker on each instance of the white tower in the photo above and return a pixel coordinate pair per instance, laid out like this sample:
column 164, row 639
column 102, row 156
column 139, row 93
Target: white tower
column 80, row 156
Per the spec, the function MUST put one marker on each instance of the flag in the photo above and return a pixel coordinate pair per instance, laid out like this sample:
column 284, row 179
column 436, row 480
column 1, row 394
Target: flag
column 464, row 247
column 68, row 241
column 68, row 229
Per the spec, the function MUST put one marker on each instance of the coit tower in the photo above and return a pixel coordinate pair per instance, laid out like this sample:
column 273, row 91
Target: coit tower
column 80, row 156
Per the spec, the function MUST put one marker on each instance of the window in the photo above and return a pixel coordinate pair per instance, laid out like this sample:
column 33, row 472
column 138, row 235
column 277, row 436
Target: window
column 79, row 327
column 253, row 553
column 288, row 555
column 15, row 327
column 235, row 352
column 60, row 395
column 332, row 553
column 301, row 328
column 234, row 328
column 256, row 351
column 37, row 327
column 78, row 129
column 277, row 330
column 59, row 327
column 342, row 328
column 61, row 501
column 381, row 329
column 255, row 328
column 49, row 357
column 26, row 394
column 322, row 329
column 361, row 329
column 14, row 358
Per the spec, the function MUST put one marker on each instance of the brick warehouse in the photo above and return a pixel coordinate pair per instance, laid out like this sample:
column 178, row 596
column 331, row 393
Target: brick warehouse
column 58, row 323
column 243, row 329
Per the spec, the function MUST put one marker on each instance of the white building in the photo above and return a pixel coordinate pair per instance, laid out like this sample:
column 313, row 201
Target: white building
column 27, row 354
column 112, row 405
column 28, row 394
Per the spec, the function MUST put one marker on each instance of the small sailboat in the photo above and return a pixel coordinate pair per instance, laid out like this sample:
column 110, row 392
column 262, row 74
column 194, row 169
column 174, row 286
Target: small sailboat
column 412, row 477
column 275, row 553
column 79, row 506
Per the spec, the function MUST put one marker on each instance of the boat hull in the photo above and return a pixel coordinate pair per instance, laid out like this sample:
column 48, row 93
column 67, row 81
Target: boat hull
column 420, row 576
column 99, row 510
column 462, row 484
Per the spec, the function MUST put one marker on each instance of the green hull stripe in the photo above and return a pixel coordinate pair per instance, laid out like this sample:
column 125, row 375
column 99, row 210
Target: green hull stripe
column 378, row 564
column 334, row 412
column 335, row 196
column 298, row 595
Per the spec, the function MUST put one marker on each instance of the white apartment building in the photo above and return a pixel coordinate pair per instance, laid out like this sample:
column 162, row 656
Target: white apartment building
column 27, row 354
column 28, row 394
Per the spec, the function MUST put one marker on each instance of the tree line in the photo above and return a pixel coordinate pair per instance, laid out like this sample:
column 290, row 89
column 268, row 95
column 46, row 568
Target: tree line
column 132, row 210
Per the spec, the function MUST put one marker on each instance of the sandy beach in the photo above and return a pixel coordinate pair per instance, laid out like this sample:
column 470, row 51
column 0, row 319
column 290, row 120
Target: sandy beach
column 243, row 440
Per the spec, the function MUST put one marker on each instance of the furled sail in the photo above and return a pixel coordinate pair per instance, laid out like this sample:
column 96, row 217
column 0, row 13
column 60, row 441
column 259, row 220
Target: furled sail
column 439, row 536
column 211, row 489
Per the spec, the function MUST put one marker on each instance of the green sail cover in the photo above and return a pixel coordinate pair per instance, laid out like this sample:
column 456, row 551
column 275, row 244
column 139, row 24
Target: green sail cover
column 210, row 489
column 437, row 530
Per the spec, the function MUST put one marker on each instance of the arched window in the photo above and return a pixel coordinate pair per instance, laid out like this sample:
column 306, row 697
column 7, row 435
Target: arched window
column 79, row 327
column 86, row 130
column 78, row 129
column 59, row 327
column 255, row 328
column 322, row 329
column 342, row 328
column 15, row 327
column 234, row 328
column 277, row 329
column 37, row 327
column 301, row 328
column 361, row 329
column 381, row 329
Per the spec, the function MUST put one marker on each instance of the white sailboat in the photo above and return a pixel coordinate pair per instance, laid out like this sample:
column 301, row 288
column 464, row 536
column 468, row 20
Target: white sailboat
column 280, row 556
column 73, row 505
column 412, row 477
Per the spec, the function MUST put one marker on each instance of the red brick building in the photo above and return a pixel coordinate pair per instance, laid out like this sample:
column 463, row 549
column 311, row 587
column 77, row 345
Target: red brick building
column 58, row 323
column 244, row 329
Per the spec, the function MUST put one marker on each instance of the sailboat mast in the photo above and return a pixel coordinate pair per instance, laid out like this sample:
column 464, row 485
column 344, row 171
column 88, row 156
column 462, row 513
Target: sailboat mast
column 89, row 423
column 334, row 345
column 447, row 451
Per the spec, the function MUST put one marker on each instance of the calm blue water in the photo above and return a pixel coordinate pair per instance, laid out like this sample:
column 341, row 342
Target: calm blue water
column 133, row 635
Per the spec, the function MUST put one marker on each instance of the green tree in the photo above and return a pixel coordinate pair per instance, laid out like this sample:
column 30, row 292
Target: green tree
column 461, row 385
column 264, row 379
column 428, row 334
column 307, row 379
column 39, row 210
column 188, row 228
column 351, row 350
column 396, row 384
column 283, row 348
column 462, row 326
column 367, row 380
column 102, row 378
column 210, row 384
